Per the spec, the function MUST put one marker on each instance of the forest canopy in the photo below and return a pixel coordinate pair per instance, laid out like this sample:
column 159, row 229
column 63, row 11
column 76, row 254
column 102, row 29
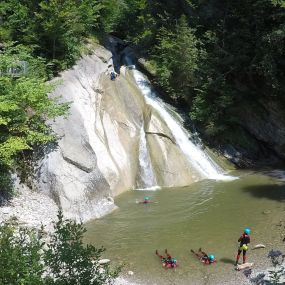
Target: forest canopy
column 213, row 57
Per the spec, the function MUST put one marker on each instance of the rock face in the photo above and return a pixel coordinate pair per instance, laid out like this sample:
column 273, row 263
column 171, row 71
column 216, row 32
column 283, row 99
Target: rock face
column 100, row 142
column 266, row 124
column 261, row 135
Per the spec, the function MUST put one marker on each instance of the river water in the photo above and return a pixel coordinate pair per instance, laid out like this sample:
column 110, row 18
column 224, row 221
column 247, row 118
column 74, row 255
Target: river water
column 208, row 214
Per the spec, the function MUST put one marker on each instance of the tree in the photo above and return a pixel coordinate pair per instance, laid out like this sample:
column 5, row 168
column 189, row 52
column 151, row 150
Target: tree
column 70, row 262
column 177, row 54
column 63, row 25
column 17, row 21
column 245, row 43
column 20, row 258
column 24, row 107
column 62, row 259
column 52, row 29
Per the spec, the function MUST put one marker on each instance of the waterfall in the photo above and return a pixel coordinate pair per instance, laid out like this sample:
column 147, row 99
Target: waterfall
column 147, row 179
column 196, row 156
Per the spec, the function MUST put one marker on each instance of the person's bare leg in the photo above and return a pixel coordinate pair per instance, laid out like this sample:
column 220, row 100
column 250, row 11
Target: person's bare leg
column 160, row 256
column 167, row 254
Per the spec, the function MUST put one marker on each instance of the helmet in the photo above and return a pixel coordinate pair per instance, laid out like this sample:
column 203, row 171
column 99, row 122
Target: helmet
column 211, row 257
column 174, row 260
column 146, row 198
column 247, row 231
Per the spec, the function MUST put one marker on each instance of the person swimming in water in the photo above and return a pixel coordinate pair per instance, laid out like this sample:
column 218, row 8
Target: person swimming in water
column 167, row 261
column 244, row 240
column 146, row 200
column 204, row 257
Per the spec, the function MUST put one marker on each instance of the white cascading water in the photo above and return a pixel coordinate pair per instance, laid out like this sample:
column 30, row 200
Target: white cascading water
column 199, row 159
column 147, row 177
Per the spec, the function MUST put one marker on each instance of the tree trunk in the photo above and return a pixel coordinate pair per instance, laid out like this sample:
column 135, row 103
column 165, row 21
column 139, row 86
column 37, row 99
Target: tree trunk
column 53, row 49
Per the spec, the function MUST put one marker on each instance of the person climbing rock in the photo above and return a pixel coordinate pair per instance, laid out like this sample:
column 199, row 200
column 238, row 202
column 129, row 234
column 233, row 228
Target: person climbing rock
column 113, row 75
column 167, row 261
column 204, row 257
column 244, row 240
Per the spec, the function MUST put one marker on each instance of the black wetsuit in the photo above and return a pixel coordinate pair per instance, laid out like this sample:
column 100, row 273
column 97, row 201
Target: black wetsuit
column 244, row 239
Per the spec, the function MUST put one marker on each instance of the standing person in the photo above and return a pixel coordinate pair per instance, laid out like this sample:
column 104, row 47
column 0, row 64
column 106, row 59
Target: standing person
column 244, row 240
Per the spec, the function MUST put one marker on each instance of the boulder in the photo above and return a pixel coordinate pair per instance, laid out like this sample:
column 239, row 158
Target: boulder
column 104, row 261
column 259, row 246
column 244, row 266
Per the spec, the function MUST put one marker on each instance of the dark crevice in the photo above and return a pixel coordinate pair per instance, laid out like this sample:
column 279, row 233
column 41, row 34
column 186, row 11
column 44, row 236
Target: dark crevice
column 162, row 135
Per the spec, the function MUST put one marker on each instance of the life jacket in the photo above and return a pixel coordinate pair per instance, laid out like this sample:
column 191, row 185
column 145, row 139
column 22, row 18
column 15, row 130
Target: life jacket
column 208, row 261
column 244, row 239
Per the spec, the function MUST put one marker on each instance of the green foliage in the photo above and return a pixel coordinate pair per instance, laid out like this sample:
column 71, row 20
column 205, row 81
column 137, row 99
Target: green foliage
column 63, row 25
column 47, row 36
column 70, row 262
column 18, row 21
column 216, row 56
column 20, row 259
column 176, row 73
column 24, row 107
column 6, row 184
column 25, row 259
column 243, row 62
column 112, row 13
column 279, row 2
column 52, row 29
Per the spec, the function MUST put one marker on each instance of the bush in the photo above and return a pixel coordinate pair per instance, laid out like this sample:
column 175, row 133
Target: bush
column 26, row 259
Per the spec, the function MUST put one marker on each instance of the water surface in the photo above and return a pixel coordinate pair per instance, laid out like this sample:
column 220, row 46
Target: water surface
column 207, row 214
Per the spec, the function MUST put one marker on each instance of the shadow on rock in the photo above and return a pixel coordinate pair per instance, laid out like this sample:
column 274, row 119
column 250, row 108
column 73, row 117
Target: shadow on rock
column 272, row 192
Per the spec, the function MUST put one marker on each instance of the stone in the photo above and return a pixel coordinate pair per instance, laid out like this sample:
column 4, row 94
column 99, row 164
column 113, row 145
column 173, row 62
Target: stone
column 244, row 266
column 104, row 261
column 259, row 246
column 6, row 210
column 130, row 273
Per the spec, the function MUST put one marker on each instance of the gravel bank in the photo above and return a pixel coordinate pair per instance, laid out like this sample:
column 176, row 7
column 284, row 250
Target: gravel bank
column 30, row 209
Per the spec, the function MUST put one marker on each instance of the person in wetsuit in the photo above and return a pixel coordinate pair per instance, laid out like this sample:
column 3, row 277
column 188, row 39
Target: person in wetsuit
column 244, row 240
column 204, row 257
column 113, row 75
column 145, row 201
column 167, row 261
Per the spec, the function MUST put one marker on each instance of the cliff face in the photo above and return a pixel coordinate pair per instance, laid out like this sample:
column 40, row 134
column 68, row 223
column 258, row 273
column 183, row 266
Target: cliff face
column 100, row 141
column 260, row 135
column 267, row 124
